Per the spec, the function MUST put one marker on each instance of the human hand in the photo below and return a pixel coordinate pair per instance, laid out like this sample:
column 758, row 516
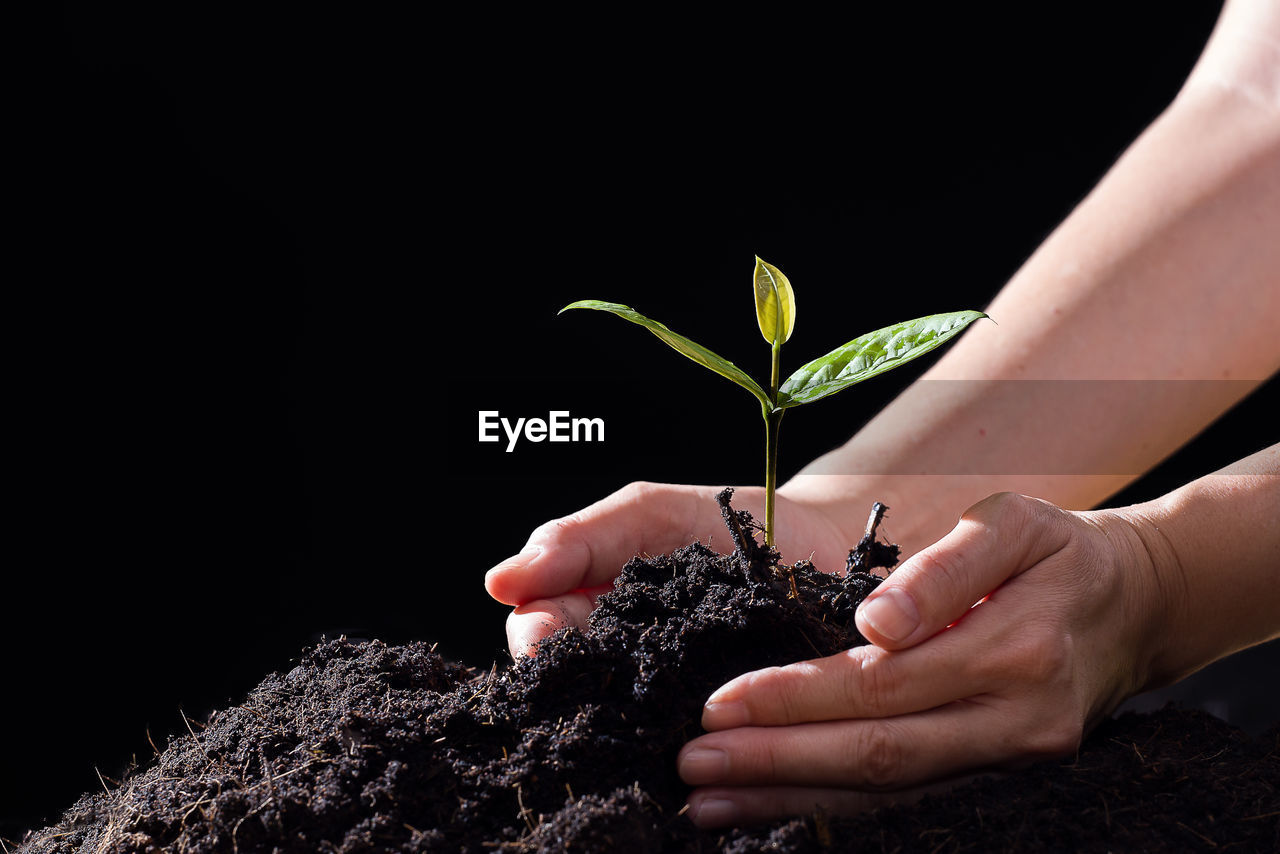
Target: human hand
column 569, row 562
column 948, row 688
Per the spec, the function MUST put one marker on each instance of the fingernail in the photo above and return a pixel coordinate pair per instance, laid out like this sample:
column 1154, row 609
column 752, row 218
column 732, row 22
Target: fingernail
column 703, row 765
column 892, row 614
column 724, row 714
column 713, row 812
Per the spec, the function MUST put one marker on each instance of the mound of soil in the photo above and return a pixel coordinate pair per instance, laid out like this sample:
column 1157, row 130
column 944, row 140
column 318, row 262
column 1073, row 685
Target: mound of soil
column 365, row 747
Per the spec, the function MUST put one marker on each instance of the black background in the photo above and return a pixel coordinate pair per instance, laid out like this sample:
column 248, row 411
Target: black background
column 269, row 268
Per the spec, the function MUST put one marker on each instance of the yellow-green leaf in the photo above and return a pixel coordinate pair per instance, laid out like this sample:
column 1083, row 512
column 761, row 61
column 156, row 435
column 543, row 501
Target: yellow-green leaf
column 871, row 354
column 775, row 303
column 680, row 344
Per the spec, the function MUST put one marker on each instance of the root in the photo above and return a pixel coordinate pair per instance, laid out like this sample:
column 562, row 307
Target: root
column 869, row 554
column 756, row 560
column 744, row 543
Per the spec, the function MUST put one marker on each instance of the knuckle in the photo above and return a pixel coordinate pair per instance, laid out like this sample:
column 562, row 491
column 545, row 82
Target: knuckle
column 573, row 520
column 771, row 764
column 1003, row 512
column 638, row 490
column 867, row 684
column 1043, row 659
column 755, row 756
column 938, row 572
column 655, row 499
column 1053, row 657
column 548, row 530
column 878, row 755
column 1011, row 511
column 555, row 532
column 1020, row 523
column 781, row 688
column 996, row 506
column 789, row 688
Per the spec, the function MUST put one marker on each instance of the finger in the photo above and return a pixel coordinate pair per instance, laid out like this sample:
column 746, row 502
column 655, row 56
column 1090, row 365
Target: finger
column 725, row 806
column 529, row 624
column 995, row 540
column 874, row 755
column 984, row 654
column 587, row 548
column 863, row 682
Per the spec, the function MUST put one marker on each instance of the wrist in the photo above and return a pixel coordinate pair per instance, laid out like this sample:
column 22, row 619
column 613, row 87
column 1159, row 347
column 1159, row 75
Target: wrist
column 1155, row 594
column 1212, row 546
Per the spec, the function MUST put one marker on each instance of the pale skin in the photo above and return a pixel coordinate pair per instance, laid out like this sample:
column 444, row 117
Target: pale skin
column 1169, row 270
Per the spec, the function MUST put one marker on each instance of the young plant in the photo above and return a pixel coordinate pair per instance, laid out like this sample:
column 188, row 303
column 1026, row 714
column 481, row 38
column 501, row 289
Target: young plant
column 862, row 358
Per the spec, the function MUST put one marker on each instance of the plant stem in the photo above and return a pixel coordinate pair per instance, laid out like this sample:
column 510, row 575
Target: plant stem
column 772, row 423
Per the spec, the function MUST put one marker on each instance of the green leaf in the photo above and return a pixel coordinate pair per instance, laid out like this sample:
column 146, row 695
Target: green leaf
column 775, row 303
column 871, row 354
column 678, row 342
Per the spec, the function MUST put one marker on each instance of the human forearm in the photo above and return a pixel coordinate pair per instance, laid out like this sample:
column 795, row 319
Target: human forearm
column 1149, row 312
column 1215, row 548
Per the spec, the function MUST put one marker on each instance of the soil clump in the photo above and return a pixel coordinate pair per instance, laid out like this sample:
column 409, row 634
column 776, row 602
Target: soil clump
column 365, row 747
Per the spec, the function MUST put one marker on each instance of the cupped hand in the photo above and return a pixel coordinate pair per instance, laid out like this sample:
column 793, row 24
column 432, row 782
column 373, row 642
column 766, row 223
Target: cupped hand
column 1067, row 603
column 568, row 562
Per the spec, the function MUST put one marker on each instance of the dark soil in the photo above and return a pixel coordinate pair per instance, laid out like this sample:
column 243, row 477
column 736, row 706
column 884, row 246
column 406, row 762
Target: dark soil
column 365, row 747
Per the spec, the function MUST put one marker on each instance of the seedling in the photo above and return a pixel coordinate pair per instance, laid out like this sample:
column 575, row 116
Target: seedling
column 862, row 358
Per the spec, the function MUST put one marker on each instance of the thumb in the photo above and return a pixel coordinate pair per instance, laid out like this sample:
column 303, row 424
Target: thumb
column 996, row 539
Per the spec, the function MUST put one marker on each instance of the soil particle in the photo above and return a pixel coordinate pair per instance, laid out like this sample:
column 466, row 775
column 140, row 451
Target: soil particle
column 365, row 747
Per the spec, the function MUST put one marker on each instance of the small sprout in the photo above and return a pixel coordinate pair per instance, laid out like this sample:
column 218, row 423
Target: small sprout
column 862, row 358
column 775, row 304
